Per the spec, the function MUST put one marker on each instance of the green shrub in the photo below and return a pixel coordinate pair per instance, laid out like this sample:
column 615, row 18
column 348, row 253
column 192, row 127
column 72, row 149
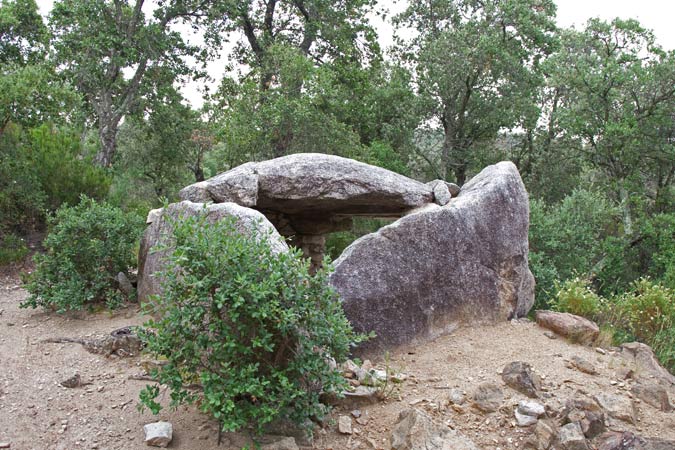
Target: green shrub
column 64, row 173
column 576, row 297
column 41, row 169
column 648, row 309
column 22, row 200
column 12, row 249
column 567, row 238
column 87, row 246
column 253, row 328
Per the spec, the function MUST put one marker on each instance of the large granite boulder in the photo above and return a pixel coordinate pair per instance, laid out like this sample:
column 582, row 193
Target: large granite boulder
column 151, row 260
column 438, row 267
column 314, row 184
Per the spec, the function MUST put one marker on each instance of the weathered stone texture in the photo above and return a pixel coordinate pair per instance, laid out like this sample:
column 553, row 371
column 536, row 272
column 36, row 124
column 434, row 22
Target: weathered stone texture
column 428, row 272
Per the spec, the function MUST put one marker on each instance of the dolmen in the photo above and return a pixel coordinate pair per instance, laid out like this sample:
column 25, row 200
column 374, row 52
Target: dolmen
column 451, row 257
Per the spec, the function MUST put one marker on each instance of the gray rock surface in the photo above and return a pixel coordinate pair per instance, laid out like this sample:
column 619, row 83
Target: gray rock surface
column 150, row 261
column 280, row 443
column 313, row 183
column 653, row 394
column 575, row 328
column 530, row 408
column 442, row 194
column 416, row 430
column 488, row 397
column 572, row 438
column 523, row 420
column 434, row 269
column 518, row 375
column 618, row 440
column 345, row 424
column 642, row 356
column 618, row 407
column 158, row 434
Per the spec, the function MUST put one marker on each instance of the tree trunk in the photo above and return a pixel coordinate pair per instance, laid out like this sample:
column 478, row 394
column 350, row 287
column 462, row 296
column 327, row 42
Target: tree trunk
column 108, row 138
column 625, row 211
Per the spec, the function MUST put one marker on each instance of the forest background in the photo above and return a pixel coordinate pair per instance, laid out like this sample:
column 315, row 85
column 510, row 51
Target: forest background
column 91, row 104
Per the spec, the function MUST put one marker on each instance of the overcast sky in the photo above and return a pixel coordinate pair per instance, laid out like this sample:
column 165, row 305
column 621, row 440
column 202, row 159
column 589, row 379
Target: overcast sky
column 657, row 15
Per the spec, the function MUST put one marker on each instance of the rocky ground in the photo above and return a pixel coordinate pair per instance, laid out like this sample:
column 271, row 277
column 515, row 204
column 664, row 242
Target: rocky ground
column 452, row 390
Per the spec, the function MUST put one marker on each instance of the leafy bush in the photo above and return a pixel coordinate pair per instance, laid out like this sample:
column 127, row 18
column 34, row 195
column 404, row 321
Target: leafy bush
column 87, row 246
column 649, row 309
column 651, row 253
column 41, row 169
column 253, row 328
column 12, row 249
column 567, row 238
column 576, row 297
column 22, row 201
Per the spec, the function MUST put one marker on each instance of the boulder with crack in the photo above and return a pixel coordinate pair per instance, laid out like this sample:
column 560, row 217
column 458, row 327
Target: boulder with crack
column 438, row 267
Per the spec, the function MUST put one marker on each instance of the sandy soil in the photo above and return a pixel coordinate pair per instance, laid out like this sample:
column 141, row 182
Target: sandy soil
column 37, row 413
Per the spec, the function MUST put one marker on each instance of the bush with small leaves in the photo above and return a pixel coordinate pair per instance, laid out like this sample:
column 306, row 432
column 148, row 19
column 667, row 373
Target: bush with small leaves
column 576, row 296
column 649, row 309
column 12, row 248
column 252, row 328
column 87, row 246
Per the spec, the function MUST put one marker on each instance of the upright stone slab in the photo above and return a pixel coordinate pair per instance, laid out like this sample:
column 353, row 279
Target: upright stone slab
column 151, row 260
column 436, row 268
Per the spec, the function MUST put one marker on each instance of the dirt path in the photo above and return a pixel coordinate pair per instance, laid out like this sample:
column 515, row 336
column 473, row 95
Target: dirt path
column 36, row 412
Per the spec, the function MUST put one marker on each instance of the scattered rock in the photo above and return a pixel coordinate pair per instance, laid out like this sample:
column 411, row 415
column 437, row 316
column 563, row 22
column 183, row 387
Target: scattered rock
column 361, row 395
column 523, row 420
column 618, row 407
column 617, row 440
column 544, row 435
column 345, row 425
column 518, row 375
column 488, row 397
column 530, row 408
column 453, row 188
column 158, row 434
column 442, row 194
column 582, row 365
column 641, row 356
column 283, row 443
column 73, row 382
column 587, row 413
column 551, row 335
column 575, row 328
column 654, row 395
column 456, row 397
column 473, row 248
column 572, row 438
column 416, row 430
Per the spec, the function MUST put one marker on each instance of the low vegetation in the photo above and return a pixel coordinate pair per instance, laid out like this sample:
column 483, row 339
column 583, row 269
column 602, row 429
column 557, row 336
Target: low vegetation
column 645, row 313
column 253, row 329
column 88, row 245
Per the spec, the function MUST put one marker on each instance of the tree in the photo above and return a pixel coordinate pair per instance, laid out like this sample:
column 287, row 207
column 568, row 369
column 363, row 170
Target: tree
column 30, row 91
column 115, row 54
column 157, row 145
column 23, row 35
column 618, row 99
column 476, row 65
column 283, row 43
